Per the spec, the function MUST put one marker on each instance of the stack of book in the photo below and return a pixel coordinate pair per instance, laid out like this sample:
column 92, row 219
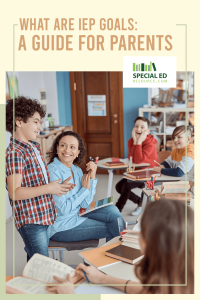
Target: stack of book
column 131, row 239
column 140, row 175
column 175, row 190
column 116, row 162
column 129, row 250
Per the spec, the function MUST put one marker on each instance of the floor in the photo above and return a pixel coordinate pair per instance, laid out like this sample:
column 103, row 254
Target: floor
column 71, row 258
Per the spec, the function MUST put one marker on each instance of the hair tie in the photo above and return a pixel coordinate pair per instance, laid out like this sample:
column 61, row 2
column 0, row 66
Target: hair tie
column 126, row 285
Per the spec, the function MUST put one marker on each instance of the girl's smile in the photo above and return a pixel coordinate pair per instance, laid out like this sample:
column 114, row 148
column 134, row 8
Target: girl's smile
column 67, row 150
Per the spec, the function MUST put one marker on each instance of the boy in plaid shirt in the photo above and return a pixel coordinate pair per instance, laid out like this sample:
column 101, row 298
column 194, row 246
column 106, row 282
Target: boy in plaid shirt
column 27, row 177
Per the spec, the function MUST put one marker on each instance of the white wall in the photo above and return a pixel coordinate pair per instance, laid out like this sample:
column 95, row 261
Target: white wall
column 29, row 84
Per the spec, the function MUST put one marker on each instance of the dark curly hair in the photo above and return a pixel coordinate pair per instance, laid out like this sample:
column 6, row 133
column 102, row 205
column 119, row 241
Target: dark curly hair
column 52, row 153
column 24, row 109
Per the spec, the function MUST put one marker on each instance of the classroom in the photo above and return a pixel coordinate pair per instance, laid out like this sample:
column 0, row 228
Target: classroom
column 103, row 113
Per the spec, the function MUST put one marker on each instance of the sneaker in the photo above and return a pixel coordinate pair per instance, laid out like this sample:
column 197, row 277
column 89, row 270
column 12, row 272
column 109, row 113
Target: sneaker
column 137, row 211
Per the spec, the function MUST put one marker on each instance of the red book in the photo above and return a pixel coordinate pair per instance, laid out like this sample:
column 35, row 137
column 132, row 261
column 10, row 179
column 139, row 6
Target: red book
column 142, row 174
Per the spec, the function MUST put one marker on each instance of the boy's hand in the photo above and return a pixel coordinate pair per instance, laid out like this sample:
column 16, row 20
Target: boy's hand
column 55, row 188
column 158, row 169
column 142, row 137
column 134, row 136
column 86, row 181
column 91, row 167
column 68, row 289
column 68, row 185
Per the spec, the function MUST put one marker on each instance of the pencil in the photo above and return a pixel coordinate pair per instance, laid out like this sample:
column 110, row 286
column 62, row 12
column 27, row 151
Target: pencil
column 86, row 276
column 156, row 162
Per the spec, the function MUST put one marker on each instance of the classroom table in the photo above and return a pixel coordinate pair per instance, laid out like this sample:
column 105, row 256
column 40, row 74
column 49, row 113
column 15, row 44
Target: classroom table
column 100, row 165
column 118, row 269
column 162, row 178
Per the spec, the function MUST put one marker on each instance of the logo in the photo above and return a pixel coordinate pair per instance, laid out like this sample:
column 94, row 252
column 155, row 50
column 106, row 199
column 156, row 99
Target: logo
column 149, row 71
column 144, row 68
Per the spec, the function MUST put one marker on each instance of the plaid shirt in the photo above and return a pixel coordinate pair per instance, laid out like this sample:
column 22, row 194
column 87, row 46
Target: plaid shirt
column 38, row 210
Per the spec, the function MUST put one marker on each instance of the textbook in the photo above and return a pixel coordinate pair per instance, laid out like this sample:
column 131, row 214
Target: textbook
column 38, row 272
column 175, row 187
column 96, row 204
column 126, row 254
column 142, row 174
column 115, row 162
column 131, row 239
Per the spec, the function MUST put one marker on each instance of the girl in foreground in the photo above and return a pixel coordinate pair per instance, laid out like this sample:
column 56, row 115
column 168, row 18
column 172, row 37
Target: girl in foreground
column 67, row 153
column 162, row 241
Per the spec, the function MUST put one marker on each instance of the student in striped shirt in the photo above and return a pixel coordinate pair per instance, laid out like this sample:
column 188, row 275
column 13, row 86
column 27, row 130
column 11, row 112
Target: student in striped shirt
column 181, row 161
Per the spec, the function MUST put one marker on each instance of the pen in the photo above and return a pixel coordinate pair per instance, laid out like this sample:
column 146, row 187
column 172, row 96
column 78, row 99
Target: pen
column 156, row 162
column 86, row 276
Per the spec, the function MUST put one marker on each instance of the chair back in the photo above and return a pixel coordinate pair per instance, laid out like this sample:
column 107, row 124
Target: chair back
column 162, row 155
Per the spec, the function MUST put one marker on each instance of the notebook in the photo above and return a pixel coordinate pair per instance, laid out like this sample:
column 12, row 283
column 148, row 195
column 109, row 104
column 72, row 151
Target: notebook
column 96, row 204
column 125, row 254
column 97, row 257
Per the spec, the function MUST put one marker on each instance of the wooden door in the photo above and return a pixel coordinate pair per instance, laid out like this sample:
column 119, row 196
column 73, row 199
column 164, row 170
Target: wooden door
column 103, row 135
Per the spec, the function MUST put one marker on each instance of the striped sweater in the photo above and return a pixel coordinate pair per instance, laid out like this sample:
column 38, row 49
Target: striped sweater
column 178, row 164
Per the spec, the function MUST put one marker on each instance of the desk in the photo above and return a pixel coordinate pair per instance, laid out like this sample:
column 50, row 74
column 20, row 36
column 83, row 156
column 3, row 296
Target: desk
column 112, row 169
column 162, row 178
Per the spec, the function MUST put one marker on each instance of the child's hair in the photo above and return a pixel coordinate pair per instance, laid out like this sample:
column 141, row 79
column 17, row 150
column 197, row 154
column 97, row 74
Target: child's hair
column 163, row 230
column 143, row 119
column 181, row 129
column 52, row 153
column 24, row 109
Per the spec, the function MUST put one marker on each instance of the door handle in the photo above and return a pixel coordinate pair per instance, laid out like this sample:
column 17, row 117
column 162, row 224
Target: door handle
column 114, row 116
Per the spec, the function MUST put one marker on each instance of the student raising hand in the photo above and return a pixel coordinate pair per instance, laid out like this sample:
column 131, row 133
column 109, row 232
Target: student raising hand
column 66, row 286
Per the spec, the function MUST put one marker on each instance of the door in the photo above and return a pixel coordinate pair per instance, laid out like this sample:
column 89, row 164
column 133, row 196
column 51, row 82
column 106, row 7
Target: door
column 102, row 132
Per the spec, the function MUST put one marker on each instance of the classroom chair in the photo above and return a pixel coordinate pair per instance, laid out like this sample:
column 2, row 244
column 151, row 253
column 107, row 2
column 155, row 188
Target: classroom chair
column 70, row 246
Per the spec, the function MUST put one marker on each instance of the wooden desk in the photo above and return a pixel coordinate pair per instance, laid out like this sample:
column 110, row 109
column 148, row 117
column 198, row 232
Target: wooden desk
column 100, row 164
column 162, row 178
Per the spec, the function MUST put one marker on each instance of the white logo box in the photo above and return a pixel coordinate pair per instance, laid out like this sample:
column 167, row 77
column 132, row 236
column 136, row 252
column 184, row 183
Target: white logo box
column 165, row 67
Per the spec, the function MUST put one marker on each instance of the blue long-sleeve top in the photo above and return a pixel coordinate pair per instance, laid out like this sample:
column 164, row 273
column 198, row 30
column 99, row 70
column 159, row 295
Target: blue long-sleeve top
column 68, row 205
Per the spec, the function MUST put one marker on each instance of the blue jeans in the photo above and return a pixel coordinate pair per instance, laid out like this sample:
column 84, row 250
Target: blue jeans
column 35, row 239
column 101, row 223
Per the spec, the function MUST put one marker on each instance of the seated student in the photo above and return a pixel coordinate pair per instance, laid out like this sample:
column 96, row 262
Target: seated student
column 67, row 152
column 142, row 148
column 162, row 241
column 34, row 207
column 181, row 160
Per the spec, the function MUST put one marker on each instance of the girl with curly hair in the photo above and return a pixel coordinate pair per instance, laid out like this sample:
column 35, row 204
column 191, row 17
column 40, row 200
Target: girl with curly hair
column 65, row 156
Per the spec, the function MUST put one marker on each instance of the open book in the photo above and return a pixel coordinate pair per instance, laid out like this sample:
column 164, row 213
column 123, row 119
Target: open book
column 96, row 204
column 37, row 273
